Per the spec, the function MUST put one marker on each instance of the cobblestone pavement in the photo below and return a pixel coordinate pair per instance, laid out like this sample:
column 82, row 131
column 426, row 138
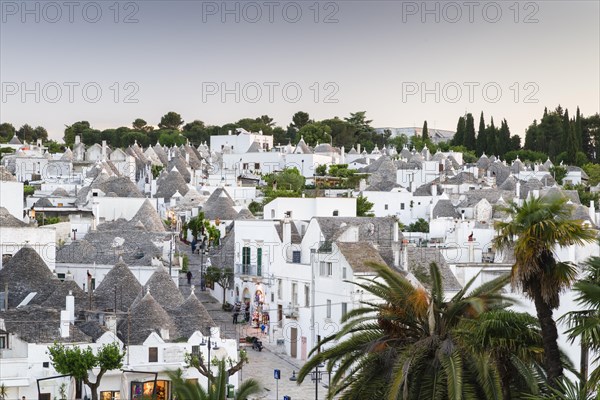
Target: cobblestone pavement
column 261, row 364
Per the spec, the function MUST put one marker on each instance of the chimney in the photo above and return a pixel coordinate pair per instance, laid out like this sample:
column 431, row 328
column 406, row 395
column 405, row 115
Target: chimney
column 229, row 132
column 287, row 231
column 70, row 306
column 358, row 148
column 434, row 189
column 64, row 324
column 518, row 188
column 104, row 150
column 164, row 333
column 592, row 211
column 110, row 321
column 187, row 157
column 77, row 139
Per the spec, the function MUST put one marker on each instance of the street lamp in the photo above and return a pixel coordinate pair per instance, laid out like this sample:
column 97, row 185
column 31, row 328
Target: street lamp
column 74, row 234
column 204, row 343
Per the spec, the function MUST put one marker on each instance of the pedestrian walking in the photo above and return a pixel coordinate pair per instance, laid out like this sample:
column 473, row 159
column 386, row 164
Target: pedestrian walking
column 189, row 277
column 235, row 317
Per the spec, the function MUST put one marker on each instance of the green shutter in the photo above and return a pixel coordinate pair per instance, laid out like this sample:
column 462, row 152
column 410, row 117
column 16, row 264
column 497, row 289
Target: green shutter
column 259, row 262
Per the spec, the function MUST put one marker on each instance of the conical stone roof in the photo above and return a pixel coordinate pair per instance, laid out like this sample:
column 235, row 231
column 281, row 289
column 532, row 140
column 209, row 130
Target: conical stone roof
column 121, row 280
column 147, row 316
column 219, row 205
column 7, row 220
column 164, row 290
column 148, row 216
column 24, row 273
column 191, row 316
column 57, row 299
column 171, row 183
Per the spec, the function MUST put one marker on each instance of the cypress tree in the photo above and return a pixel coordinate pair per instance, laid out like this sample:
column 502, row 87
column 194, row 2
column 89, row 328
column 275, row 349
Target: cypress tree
column 579, row 130
column 492, row 139
column 425, row 133
column 459, row 136
column 469, row 140
column 503, row 139
column 481, row 137
column 571, row 146
column 530, row 136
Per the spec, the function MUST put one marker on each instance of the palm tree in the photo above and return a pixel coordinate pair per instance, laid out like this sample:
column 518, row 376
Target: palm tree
column 514, row 342
column 535, row 229
column 218, row 389
column 585, row 324
column 405, row 345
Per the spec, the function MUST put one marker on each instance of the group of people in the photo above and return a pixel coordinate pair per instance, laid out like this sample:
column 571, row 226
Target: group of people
column 259, row 321
column 237, row 310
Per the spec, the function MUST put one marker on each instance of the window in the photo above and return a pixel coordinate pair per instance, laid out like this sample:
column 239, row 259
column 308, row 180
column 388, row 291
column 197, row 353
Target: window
column 110, row 395
column 3, row 340
column 386, row 207
column 256, row 166
column 196, row 350
column 344, row 309
column 326, row 269
column 153, row 354
column 46, row 364
column 402, row 206
column 61, row 277
column 93, row 283
column 245, row 260
column 272, row 214
column 336, row 213
column 296, row 257
column 328, row 308
column 344, row 274
column 279, row 289
column 294, row 294
column 245, row 166
column 287, row 214
column 306, row 296
column 259, row 261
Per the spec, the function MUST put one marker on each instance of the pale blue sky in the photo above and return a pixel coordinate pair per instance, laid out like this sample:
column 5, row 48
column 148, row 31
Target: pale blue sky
column 372, row 53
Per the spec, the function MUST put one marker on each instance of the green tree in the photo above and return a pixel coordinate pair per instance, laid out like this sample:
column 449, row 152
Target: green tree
column 593, row 173
column 481, row 137
column 425, row 134
column 7, row 130
column 558, row 172
column 469, row 140
column 420, row 225
column 315, row 133
column 300, row 119
column 171, row 121
column 26, row 133
column 77, row 129
column 78, row 363
column 364, row 207
column 404, row 345
column 222, row 276
column 141, row 125
column 584, row 325
column 288, row 179
column 492, row 136
column 536, row 228
column 217, row 390
column 459, row 136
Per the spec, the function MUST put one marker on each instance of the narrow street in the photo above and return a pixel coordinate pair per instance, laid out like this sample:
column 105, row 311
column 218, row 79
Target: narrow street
column 261, row 364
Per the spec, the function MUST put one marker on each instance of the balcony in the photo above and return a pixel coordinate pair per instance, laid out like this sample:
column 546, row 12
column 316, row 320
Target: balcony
column 248, row 269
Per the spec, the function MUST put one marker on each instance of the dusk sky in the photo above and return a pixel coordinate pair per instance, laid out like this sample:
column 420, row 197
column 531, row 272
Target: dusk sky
column 350, row 56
